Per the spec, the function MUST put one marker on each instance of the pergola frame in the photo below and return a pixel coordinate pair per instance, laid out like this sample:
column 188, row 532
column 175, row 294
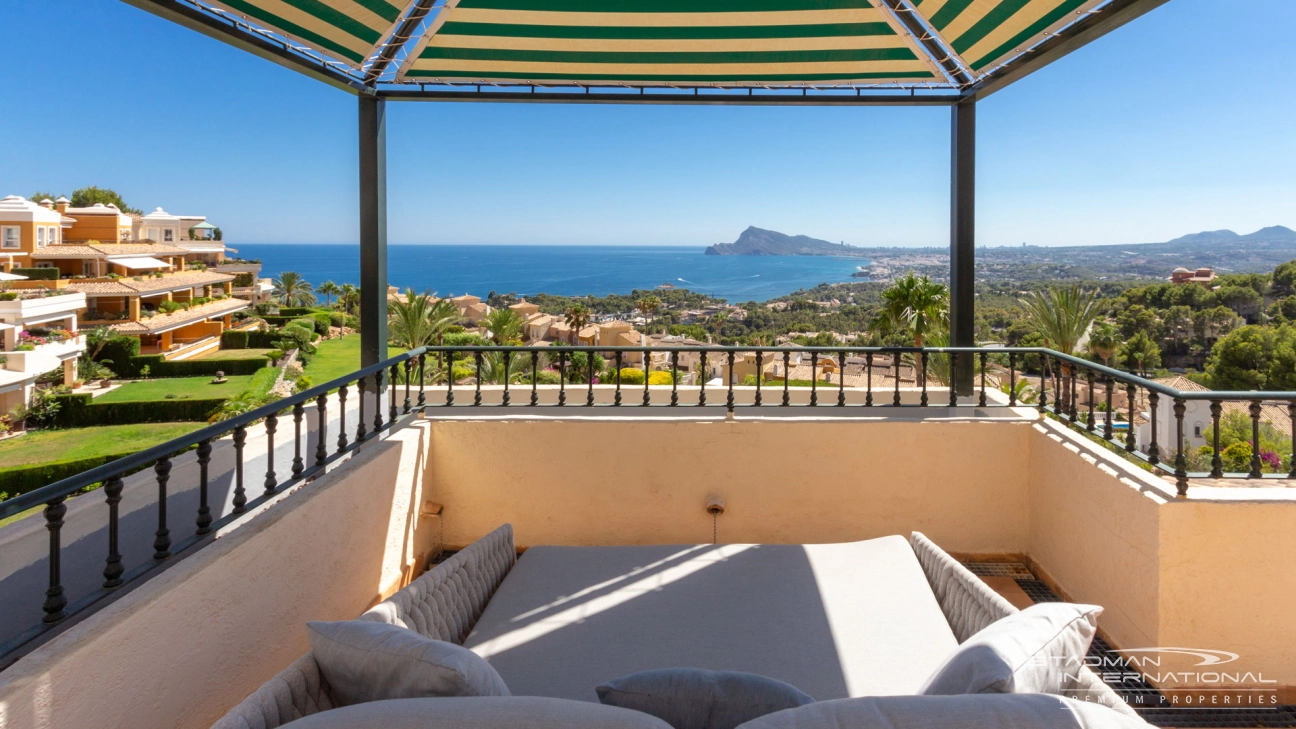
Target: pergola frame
column 373, row 93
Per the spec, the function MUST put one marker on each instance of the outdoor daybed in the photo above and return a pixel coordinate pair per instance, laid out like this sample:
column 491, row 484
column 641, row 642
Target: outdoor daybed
column 871, row 618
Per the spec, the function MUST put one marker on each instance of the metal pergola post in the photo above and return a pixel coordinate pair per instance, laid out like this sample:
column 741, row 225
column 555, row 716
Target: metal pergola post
column 963, row 238
column 373, row 230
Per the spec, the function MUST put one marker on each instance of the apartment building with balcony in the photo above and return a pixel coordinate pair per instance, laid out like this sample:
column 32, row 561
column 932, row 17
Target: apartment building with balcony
column 166, row 312
column 38, row 333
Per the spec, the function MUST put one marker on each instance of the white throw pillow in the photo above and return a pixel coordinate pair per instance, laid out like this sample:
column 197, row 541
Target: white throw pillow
column 695, row 698
column 488, row 712
column 1038, row 650
column 971, row 711
column 365, row 660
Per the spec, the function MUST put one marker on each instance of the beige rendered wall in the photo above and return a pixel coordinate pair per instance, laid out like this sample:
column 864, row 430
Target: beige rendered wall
column 198, row 638
column 647, row 481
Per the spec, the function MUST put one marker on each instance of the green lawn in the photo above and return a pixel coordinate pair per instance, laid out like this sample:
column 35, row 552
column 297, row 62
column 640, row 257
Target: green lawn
column 235, row 354
column 338, row 357
column 73, row 443
column 196, row 388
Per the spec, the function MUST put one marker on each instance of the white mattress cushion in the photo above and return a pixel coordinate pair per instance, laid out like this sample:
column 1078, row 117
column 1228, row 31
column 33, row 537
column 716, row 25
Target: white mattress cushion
column 479, row 712
column 834, row 620
column 968, row 711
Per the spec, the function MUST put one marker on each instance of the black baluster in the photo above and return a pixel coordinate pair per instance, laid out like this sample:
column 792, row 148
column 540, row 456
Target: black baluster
column 506, row 398
column 271, row 480
column 1109, row 384
column 321, row 409
column 477, row 398
column 953, row 391
column 1044, row 378
column 895, row 401
column 868, row 378
column 982, row 400
column 674, row 378
column 204, row 509
column 113, row 569
column 589, row 381
column 1256, row 464
column 647, row 399
column 55, row 600
column 240, row 494
column 298, row 464
column 616, row 400
column 787, row 377
column 702, row 378
column 1154, row 451
column 378, row 392
column 449, row 374
column 729, row 397
column 409, row 367
column 562, row 378
column 342, row 429
column 814, row 379
column 1089, row 378
column 1012, row 379
column 922, row 398
column 162, row 544
column 760, row 375
column 1217, row 462
column 841, row 380
column 1075, row 413
column 1180, row 461
column 535, row 378
column 360, row 397
column 1130, row 441
column 422, row 396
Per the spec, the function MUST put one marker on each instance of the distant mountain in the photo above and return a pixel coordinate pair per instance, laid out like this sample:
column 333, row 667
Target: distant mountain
column 1272, row 234
column 760, row 242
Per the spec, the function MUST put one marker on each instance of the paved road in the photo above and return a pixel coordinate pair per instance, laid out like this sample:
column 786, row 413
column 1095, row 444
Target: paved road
column 24, row 545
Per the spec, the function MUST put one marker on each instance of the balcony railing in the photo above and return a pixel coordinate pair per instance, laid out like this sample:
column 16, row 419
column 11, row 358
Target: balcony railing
column 423, row 380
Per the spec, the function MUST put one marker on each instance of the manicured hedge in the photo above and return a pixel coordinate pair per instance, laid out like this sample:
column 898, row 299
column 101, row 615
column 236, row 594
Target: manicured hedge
column 38, row 274
column 261, row 339
column 119, row 353
column 17, row 480
column 197, row 367
column 234, row 339
column 296, row 311
column 79, row 411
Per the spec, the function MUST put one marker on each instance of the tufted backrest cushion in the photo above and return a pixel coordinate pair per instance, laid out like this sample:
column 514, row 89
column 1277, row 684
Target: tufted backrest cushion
column 297, row 691
column 445, row 603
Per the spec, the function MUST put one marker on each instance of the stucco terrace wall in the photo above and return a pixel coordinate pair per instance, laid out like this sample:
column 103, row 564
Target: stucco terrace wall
column 193, row 641
column 647, row 481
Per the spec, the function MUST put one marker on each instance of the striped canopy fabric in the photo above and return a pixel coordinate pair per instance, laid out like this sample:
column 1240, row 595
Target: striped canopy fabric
column 668, row 42
column 985, row 33
column 347, row 30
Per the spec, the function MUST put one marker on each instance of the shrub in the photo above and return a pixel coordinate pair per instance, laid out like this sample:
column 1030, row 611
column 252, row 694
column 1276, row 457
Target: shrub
column 201, row 367
column 303, row 383
column 298, row 311
column 661, row 378
column 43, row 410
column 323, row 320
column 1237, row 457
column 337, row 319
column 120, row 352
column 630, row 376
column 234, row 339
column 243, row 280
column 168, row 307
column 8, row 296
column 21, row 479
column 547, row 377
column 261, row 339
column 38, row 274
column 79, row 411
column 275, row 355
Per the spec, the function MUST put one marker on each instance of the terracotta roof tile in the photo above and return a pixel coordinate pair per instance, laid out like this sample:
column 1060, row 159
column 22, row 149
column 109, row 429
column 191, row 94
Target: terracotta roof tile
column 162, row 322
column 188, row 279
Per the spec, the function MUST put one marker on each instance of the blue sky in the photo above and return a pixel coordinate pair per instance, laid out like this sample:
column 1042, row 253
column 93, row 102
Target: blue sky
column 1176, row 123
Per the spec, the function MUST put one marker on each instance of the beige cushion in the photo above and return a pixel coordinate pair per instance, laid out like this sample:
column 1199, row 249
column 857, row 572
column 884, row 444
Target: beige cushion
column 509, row 712
column 1038, row 650
column 693, row 698
column 369, row 661
column 834, row 620
column 972, row 711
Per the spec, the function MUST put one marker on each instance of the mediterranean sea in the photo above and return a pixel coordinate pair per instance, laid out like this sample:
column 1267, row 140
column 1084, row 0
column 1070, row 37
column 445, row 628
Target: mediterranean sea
column 562, row 270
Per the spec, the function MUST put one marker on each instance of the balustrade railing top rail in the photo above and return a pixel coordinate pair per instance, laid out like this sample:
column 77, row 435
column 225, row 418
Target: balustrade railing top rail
column 1082, row 394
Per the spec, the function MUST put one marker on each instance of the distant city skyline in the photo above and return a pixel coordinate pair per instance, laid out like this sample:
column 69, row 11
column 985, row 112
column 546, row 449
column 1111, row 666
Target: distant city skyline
column 1139, row 137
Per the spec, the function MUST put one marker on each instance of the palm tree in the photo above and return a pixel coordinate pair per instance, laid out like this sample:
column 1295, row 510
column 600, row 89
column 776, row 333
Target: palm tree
column 719, row 318
column 293, row 290
column 1103, row 341
column 504, row 325
column 493, row 371
column 577, row 317
column 349, row 297
column 915, row 304
column 329, row 289
column 409, row 322
column 648, row 306
column 1062, row 315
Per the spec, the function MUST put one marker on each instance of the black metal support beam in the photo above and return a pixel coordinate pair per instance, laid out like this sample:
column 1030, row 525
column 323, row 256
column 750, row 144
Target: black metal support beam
column 225, row 31
column 373, row 230
column 1082, row 32
column 704, row 97
column 930, row 43
column 963, row 238
column 398, row 39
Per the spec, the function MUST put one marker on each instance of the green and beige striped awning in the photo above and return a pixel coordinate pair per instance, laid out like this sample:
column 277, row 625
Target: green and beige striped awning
column 985, row 33
column 347, row 30
column 687, row 42
column 671, row 42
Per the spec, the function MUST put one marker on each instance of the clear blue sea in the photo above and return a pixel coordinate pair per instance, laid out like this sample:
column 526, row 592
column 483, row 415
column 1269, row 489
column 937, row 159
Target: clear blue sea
column 562, row 270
